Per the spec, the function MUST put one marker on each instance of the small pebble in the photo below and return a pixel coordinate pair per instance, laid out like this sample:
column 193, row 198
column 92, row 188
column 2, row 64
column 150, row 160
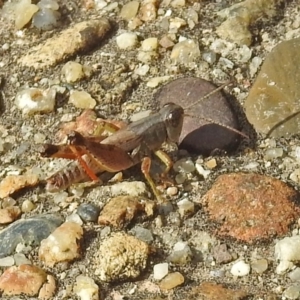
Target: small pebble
column 72, row 71
column 185, row 207
column 181, row 254
column 171, row 281
column 185, row 52
column 127, row 40
column 172, row 191
column 160, row 271
column 28, row 206
column 86, row 288
column 201, row 171
column 211, row 164
column 88, row 212
column 82, row 99
column 142, row 234
column 295, row 274
column 21, row 259
column 62, row 244
column 292, row 292
column 240, row 268
column 7, row 261
column 34, row 100
column 259, row 265
column 129, row 10
column 24, row 11
column 273, row 153
column 287, row 249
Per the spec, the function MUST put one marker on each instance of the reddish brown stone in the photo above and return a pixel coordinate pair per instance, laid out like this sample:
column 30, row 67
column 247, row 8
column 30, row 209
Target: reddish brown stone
column 251, row 207
column 213, row 291
column 25, row 279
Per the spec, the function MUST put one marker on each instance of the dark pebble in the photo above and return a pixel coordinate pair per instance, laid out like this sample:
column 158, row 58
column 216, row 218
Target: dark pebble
column 198, row 135
column 29, row 231
column 88, row 212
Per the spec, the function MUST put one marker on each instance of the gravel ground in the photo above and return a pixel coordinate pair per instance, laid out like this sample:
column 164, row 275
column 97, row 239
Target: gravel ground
column 112, row 66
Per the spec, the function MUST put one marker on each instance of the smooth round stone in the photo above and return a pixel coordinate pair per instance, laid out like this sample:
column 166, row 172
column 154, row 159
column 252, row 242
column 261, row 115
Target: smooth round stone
column 88, row 212
column 273, row 102
column 198, row 135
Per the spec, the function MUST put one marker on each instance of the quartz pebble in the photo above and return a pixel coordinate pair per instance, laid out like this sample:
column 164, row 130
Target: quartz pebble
column 259, row 265
column 24, row 11
column 34, row 100
column 240, row 268
column 127, row 40
column 72, row 71
column 160, row 271
column 292, row 292
column 181, row 254
column 185, row 207
column 287, row 249
column 86, row 288
column 27, row 206
column 273, row 153
column 47, row 17
column 82, row 99
column 171, row 281
column 62, row 244
column 129, row 10
column 295, row 274
column 185, row 52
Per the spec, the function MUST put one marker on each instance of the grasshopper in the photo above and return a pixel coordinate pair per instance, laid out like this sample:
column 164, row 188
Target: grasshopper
column 121, row 150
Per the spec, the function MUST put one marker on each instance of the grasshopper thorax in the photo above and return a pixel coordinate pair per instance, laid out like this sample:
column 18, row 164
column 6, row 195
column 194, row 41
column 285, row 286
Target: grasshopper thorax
column 172, row 115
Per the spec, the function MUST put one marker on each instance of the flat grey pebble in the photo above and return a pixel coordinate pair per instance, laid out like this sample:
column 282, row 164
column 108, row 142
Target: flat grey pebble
column 27, row 231
column 88, row 212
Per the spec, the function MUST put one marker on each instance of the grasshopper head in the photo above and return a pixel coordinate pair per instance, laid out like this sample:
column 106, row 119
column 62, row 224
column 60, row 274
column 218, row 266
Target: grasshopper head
column 173, row 115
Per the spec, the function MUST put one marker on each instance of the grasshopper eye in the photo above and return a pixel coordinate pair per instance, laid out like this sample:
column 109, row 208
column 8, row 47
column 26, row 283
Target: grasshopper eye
column 175, row 117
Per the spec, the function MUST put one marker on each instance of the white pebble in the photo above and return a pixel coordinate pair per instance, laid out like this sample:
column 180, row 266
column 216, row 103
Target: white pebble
column 240, row 269
column 185, row 207
column 202, row 171
column 127, row 40
column 33, row 100
column 160, row 271
column 288, row 249
column 86, row 288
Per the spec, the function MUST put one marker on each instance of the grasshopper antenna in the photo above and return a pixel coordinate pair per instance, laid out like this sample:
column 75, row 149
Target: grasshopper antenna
column 220, row 124
column 211, row 120
column 209, row 94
